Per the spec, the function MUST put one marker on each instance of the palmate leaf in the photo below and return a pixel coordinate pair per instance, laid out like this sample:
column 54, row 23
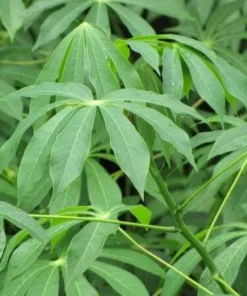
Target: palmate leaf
column 12, row 15
column 71, row 149
column 130, row 150
column 228, row 262
column 22, row 220
column 125, row 283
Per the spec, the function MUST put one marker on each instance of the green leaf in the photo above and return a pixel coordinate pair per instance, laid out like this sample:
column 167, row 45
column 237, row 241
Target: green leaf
column 33, row 163
column 101, row 76
column 9, row 148
column 80, row 287
column 188, row 262
column 103, row 191
column 206, row 83
column 228, row 262
column 142, row 213
column 205, row 138
column 148, row 53
column 234, row 81
column 169, row 7
column 59, row 21
column 98, row 15
column 134, row 258
column 125, row 283
column 22, row 220
column 85, row 248
column 12, row 15
column 47, row 283
column 2, row 242
column 134, row 23
column 7, row 188
column 134, row 95
column 165, row 128
column 130, row 149
column 70, row 197
column 125, row 69
column 20, row 285
column 71, row 149
column 172, row 73
column 13, row 109
column 230, row 140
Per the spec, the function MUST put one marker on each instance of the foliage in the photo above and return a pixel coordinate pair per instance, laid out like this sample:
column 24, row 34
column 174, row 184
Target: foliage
column 123, row 147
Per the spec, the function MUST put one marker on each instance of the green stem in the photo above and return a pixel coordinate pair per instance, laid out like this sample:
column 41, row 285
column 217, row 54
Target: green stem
column 191, row 198
column 166, row 264
column 185, row 231
column 105, row 220
column 210, row 229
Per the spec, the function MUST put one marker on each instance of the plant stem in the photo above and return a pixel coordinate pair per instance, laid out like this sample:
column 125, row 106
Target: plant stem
column 163, row 262
column 189, row 200
column 105, row 220
column 185, row 231
column 210, row 229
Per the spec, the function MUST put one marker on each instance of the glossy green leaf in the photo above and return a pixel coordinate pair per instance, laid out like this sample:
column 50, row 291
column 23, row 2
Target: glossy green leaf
column 172, row 73
column 130, row 149
column 134, row 258
column 103, row 191
column 142, row 213
column 206, row 83
column 22, row 220
column 125, row 283
column 71, row 149
column 148, row 53
column 230, row 140
column 12, row 15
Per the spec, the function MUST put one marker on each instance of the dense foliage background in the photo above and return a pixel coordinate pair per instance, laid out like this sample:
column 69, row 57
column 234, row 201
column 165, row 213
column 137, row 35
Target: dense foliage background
column 123, row 147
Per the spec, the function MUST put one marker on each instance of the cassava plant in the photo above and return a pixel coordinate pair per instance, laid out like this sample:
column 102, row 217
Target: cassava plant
column 123, row 147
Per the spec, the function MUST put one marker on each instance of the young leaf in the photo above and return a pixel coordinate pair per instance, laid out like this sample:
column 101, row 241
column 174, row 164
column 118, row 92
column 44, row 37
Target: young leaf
column 148, row 53
column 230, row 140
column 134, row 258
column 22, row 220
column 125, row 283
column 85, row 248
column 103, row 191
column 12, row 15
column 172, row 73
column 71, row 149
column 130, row 150
column 206, row 83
